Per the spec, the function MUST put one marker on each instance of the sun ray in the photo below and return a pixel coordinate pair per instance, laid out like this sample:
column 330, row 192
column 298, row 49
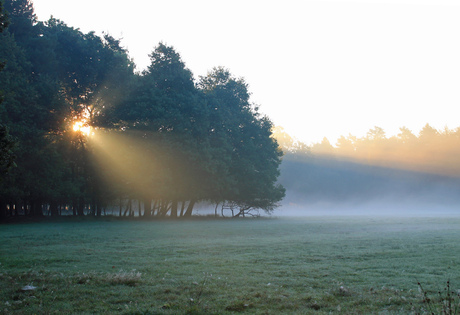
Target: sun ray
column 82, row 124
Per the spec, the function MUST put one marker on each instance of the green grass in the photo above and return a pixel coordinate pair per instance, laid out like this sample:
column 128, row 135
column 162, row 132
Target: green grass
column 256, row 266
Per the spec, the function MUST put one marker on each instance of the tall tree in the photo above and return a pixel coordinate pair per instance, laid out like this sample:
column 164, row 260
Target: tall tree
column 22, row 19
column 324, row 147
column 4, row 21
column 252, row 154
column 54, row 75
column 6, row 141
column 406, row 136
column 428, row 135
column 164, row 108
column 346, row 146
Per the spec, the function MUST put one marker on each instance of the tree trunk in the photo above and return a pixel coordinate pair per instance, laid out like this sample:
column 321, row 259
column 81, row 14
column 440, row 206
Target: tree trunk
column 189, row 211
column 155, row 207
column 93, row 206
column 215, row 209
column 131, row 209
column 147, row 207
column 74, row 206
column 174, row 209
column 128, row 208
column 54, row 211
column 36, row 208
column 3, row 210
column 163, row 208
column 81, row 206
column 98, row 209
column 14, row 209
column 182, row 209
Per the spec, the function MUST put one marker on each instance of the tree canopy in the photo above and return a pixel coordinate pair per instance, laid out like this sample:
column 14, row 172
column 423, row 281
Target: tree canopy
column 157, row 139
column 6, row 141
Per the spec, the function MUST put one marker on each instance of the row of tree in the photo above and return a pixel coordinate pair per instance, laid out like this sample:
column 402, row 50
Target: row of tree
column 158, row 137
column 433, row 151
column 422, row 168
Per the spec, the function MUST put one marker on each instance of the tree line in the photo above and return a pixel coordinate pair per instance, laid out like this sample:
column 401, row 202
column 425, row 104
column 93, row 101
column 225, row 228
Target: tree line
column 431, row 150
column 407, row 166
column 159, row 138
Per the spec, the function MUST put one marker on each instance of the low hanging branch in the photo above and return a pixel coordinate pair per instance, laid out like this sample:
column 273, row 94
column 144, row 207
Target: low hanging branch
column 239, row 210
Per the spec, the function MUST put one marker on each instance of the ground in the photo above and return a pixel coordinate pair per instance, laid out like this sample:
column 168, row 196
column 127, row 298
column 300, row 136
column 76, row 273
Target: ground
column 313, row 265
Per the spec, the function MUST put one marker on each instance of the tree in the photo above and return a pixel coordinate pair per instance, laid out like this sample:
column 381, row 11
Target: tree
column 165, row 98
column 428, row 135
column 4, row 21
column 7, row 156
column 54, row 75
column 22, row 19
column 376, row 134
column 252, row 155
column 206, row 143
column 288, row 144
column 29, row 111
column 95, row 75
column 324, row 147
column 406, row 136
column 166, row 112
column 6, row 141
column 346, row 146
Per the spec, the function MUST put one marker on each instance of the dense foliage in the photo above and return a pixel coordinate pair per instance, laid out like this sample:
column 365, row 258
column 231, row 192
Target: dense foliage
column 170, row 142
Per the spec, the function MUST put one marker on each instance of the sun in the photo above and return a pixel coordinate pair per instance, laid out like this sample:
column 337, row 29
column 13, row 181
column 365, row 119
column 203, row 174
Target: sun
column 81, row 123
column 82, row 127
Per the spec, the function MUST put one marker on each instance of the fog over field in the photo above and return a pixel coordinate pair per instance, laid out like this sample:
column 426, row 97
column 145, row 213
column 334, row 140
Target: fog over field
column 340, row 187
column 375, row 207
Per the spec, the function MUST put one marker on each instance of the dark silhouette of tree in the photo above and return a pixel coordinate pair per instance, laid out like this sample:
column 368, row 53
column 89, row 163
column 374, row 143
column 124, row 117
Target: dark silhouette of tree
column 4, row 21
column 253, row 155
column 22, row 19
column 6, row 141
column 49, row 83
column 179, row 142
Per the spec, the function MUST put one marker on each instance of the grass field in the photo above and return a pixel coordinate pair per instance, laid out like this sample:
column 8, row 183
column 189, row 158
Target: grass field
column 317, row 265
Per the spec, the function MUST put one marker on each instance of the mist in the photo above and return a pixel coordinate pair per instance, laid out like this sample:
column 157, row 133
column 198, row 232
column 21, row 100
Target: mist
column 385, row 207
column 339, row 186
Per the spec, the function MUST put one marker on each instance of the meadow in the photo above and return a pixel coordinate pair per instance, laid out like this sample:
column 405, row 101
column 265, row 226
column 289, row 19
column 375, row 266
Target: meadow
column 314, row 265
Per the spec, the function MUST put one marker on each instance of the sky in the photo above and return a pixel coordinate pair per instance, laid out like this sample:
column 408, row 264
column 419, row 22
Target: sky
column 321, row 68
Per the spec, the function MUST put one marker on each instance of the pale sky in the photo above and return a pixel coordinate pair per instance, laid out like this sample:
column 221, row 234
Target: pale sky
column 317, row 68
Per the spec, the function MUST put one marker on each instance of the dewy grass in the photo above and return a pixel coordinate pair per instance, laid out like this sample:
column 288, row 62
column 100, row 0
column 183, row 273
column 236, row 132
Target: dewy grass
column 255, row 266
column 130, row 278
column 447, row 302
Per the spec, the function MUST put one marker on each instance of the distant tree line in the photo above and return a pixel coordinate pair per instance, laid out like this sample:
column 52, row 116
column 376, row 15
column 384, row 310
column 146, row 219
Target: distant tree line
column 433, row 151
column 173, row 141
column 420, row 166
